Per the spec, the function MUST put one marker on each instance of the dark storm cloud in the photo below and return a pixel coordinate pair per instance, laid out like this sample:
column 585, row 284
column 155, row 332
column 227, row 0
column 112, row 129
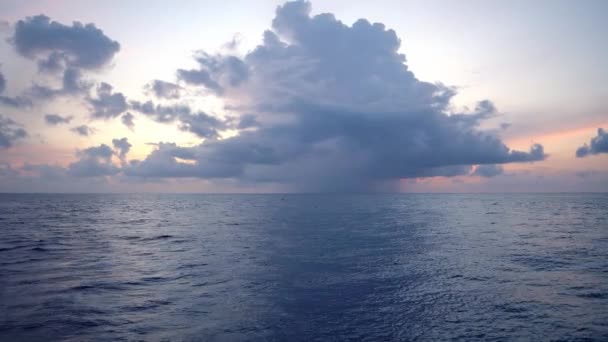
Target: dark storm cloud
column 55, row 45
column 490, row 170
column 597, row 145
column 54, row 119
column 83, row 130
column 164, row 90
column 94, row 162
column 197, row 122
column 247, row 121
column 10, row 132
column 216, row 72
column 108, row 104
column 336, row 108
column 127, row 120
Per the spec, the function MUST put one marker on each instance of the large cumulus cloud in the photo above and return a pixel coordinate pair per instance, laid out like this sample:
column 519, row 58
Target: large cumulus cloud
column 64, row 51
column 335, row 108
column 56, row 46
column 597, row 145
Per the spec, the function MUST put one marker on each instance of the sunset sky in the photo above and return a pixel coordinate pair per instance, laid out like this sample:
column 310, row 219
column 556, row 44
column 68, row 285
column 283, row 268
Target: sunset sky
column 268, row 96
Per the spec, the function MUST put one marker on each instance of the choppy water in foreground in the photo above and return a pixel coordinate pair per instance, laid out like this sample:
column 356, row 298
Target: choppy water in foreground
column 303, row 267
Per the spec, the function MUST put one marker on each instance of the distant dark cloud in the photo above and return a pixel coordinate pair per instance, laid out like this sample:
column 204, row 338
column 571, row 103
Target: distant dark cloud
column 72, row 84
column 597, row 145
column 335, row 107
column 16, row 102
column 164, row 90
column 54, row 63
column 54, row 119
column 127, row 119
column 83, row 130
column 216, row 72
column 122, row 147
column 202, row 124
column 7, row 171
column 46, row 172
column 160, row 113
column 94, row 162
column 490, row 170
column 107, row 104
column 2, row 83
column 199, row 123
column 55, row 45
column 4, row 26
column 10, row 132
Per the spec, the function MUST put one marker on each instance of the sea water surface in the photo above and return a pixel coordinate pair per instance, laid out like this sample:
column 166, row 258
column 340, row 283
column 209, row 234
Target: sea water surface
column 304, row 267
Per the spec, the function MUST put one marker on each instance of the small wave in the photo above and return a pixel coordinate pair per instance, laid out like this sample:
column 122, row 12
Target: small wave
column 96, row 287
column 541, row 263
column 136, row 221
column 510, row 308
column 130, row 237
column 154, row 279
column 189, row 266
column 151, row 304
column 159, row 237
column 6, row 249
column 594, row 295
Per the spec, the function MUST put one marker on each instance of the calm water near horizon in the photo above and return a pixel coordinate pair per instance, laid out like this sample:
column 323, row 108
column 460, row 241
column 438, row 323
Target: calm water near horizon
column 304, row 267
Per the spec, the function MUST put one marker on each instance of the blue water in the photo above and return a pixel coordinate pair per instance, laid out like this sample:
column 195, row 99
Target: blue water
column 303, row 267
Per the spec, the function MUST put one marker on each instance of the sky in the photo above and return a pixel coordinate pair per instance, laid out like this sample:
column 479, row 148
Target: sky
column 325, row 96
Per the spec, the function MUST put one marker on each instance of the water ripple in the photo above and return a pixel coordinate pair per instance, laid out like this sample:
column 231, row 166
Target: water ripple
column 303, row 267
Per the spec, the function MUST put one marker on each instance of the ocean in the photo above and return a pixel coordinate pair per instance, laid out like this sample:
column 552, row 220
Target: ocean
column 382, row 267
